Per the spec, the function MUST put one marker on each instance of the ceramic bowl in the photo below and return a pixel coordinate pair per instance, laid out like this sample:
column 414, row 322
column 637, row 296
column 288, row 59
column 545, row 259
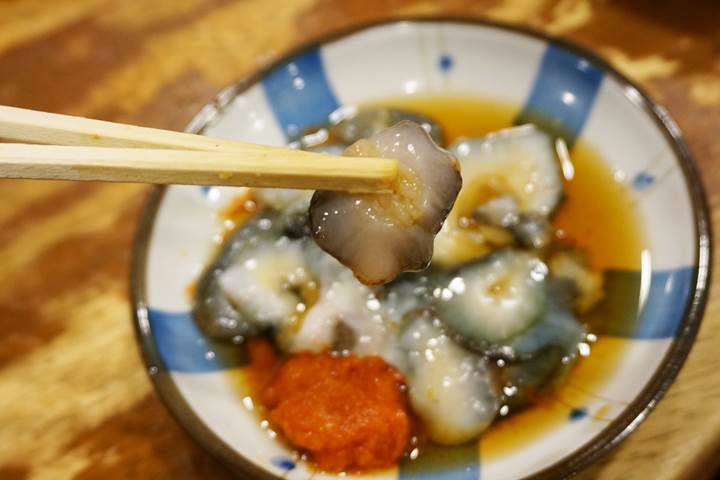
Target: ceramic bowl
column 584, row 96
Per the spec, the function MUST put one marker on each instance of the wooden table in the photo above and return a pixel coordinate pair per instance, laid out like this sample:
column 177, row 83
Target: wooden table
column 75, row 401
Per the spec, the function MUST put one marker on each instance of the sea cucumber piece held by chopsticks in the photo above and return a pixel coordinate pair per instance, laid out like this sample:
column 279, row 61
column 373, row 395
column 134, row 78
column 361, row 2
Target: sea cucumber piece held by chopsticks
column 378, row 236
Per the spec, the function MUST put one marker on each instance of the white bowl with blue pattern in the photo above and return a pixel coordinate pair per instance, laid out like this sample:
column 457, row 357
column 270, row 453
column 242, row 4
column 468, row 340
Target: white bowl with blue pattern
column 586, row 99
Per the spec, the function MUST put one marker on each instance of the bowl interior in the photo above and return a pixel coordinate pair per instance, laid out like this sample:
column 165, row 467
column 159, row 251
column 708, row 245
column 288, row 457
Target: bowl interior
column 584, row 100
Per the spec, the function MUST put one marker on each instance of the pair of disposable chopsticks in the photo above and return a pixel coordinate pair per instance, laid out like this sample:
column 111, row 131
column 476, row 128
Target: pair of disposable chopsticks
column 76, row 148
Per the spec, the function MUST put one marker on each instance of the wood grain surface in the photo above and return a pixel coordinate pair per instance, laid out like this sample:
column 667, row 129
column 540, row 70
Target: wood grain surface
column 75, row 401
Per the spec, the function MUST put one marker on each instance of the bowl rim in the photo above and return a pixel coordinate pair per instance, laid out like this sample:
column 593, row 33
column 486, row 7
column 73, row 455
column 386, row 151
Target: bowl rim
column 588, row 453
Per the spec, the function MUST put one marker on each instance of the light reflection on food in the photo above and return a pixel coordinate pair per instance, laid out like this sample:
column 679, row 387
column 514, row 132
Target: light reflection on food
column 490, row 328
column 380, row 236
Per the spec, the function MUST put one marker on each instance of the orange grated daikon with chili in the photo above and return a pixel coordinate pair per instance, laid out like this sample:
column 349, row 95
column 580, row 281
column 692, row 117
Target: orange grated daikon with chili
column 347, row 413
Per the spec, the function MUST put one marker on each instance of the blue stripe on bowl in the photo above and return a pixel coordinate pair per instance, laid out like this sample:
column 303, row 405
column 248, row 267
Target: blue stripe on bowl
column 181, row 345
column 667, row 297
column 184, row 348
column 300, row 94
column 666, row 303
column 459, row 462
column 563, row 93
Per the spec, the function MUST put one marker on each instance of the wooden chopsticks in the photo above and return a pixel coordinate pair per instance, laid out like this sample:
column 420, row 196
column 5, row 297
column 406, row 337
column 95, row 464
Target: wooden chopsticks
column 78, row 148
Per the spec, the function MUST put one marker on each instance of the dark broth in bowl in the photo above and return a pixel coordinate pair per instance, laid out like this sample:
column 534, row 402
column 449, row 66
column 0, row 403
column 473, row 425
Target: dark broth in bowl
column 595, row 216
